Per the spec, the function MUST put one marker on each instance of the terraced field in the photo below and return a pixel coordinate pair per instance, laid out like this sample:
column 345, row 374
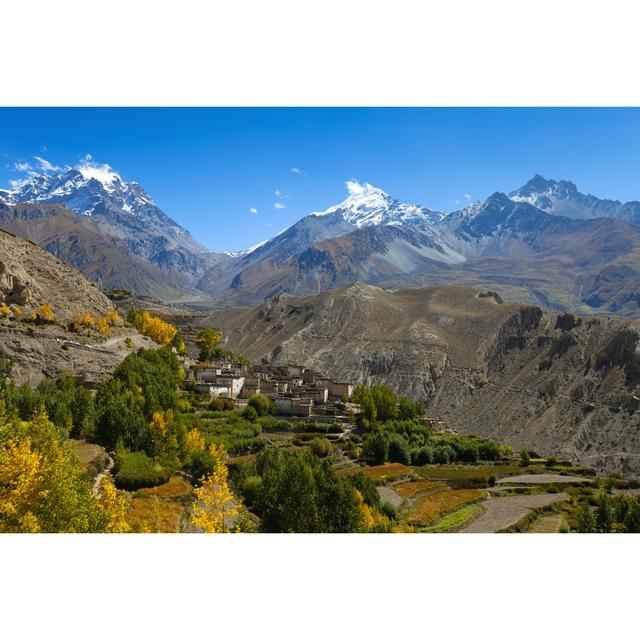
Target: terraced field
column 542, row 478
column 547, row 524
column 455, row 520
column 432, row 506
column 500, row 513
column 385, row 471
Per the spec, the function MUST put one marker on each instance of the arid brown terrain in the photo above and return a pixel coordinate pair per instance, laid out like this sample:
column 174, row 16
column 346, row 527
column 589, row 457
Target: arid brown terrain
column 553, row 382
column 30, row 277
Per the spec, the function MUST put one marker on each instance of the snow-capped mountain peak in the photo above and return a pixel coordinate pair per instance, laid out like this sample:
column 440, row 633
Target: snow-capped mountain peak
column 368, row 205
column 96, row 190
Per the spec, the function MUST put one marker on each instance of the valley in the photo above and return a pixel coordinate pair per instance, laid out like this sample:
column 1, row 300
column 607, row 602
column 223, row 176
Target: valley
column 376, row 367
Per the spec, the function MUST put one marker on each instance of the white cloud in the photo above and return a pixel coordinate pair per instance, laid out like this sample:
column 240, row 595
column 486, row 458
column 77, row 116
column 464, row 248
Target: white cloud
column 22, row 166
column 279, row 205
column 467, row 196
column 355, row 188
column 16, row 184
column 253, row 210
column 278, row 193
column 89, row 168
column 45, row 165
column 296, row 170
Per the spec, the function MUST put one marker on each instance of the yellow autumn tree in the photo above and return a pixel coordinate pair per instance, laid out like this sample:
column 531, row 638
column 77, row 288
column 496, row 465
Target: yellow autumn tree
column 372, row 519
column 195, row 441
column 45, row 313
column 42, row 487
column 103, row 326
column 5, row 310
column 21, row 486
column 113, row 318
column 214, row 505
column 113, row 505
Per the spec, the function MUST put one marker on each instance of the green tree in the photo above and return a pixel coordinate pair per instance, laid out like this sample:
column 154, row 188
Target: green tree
column 525, row 458
column 375, row 448
column 632, row 516
column 385, row 401
column 302, row 493
column 264, row 406
column 585, row 519
column 604, row 513
column 408, row 410
column 398, row 449
column 207, row 340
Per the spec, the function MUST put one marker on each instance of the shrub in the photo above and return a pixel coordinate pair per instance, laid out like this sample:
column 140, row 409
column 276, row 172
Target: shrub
column 320, row 447
column 491, row 480
column 201, row 463
column 220, row 404
column 525, row 458
column 249, row 413
column 134, row 470
column 264, row 406
column 250, row 489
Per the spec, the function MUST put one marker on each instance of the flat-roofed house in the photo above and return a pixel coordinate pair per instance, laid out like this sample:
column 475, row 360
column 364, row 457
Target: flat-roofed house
column 287, row 406
column 339, row 389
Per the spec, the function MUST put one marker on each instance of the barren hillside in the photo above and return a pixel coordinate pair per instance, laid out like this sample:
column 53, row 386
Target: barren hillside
column 552, row 382
column 29, row 277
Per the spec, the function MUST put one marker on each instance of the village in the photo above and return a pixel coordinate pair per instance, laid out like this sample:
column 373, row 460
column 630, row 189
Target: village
column 297, row 391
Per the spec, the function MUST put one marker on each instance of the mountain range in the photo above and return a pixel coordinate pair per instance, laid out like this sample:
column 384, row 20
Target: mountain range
column 545, row 243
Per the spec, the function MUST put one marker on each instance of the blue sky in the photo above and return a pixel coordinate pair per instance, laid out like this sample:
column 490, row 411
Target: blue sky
column 209, row 168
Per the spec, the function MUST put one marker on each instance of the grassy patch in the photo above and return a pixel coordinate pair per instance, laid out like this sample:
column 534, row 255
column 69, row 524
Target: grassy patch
column 432, row 506
column 468, row 475
column 409, row 489
column 384, row 472
column 134, row 469
column 152, row 514
column 176, row 487
column 454, row 520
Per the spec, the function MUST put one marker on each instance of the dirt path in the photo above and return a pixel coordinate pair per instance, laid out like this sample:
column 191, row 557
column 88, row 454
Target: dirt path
column 502, row 512
column 98, row 479
column 541, row 478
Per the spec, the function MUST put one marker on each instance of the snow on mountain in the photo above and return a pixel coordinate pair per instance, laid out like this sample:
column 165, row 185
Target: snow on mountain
column 562, row 198
column 367, row 205
column 96, row 190
column 82, row 190
column 247, row 251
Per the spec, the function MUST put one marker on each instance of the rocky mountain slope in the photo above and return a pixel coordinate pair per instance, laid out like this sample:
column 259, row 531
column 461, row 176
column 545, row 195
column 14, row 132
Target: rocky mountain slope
column 562, row 198
column 29, row 277
column 247, row 279
column 553, row 382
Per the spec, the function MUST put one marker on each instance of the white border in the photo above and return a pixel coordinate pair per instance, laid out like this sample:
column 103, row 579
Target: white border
column 285, row 52
column 329, row 52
